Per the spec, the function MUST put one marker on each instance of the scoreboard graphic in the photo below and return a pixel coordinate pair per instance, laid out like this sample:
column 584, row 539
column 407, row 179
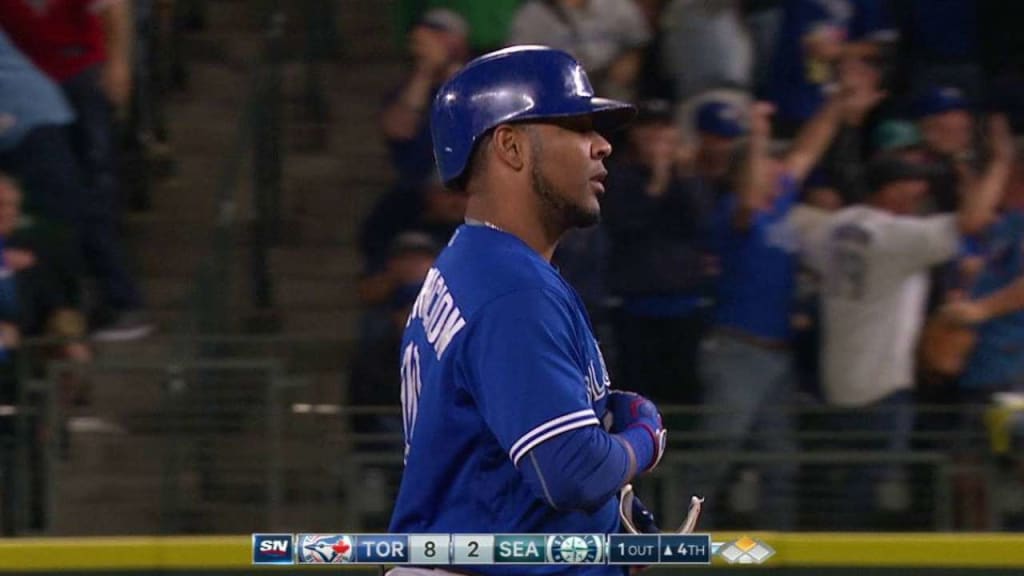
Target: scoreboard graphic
column 468, row 549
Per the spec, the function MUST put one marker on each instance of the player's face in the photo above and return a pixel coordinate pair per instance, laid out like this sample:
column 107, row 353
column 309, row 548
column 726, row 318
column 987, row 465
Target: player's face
column 568, row 171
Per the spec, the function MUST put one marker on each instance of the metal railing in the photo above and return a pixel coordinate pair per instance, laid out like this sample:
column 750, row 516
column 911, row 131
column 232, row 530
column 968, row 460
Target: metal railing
column 260, row 143
column 261, row 437
column 166, row 436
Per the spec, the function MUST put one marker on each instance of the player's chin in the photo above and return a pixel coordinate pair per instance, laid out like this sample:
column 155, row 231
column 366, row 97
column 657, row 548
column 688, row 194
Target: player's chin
column 586, row 215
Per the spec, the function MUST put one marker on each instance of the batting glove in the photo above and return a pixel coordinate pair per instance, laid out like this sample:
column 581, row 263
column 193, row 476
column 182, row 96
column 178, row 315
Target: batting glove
column 627, row 411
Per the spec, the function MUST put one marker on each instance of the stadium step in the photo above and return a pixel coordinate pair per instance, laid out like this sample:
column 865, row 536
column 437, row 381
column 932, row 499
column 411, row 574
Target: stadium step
column 121, row 440
column 326, row 262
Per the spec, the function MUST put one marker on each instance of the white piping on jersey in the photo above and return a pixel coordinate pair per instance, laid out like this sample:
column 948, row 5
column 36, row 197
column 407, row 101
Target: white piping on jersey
column 550, row 429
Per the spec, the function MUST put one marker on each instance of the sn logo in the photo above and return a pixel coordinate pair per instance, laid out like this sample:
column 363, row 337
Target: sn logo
column 274, row 546
column 272, row 549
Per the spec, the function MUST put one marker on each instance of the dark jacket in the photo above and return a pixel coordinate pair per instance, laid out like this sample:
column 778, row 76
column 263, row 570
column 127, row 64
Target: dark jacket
column 657, row 245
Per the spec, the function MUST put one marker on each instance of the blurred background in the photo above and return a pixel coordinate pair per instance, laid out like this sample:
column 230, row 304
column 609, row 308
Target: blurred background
column 215, row 215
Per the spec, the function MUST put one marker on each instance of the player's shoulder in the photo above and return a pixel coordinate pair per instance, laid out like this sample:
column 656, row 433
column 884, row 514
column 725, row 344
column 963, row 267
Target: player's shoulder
column 481, row 264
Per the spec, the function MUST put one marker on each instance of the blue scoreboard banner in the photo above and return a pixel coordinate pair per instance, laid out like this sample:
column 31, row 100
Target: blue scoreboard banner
column 468, row 549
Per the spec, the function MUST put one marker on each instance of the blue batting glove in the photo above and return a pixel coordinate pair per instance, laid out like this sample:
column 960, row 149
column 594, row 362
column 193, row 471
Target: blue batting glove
column 628, row 412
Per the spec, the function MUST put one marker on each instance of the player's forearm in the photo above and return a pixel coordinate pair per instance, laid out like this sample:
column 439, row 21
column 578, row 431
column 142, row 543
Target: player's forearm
column 579, row 470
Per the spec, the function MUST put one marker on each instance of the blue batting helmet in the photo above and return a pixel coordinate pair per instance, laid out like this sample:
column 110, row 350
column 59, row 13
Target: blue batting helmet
column 513, row 85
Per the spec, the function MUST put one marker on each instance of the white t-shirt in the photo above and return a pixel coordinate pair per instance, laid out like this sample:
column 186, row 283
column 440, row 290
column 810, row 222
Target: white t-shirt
column 874, row 268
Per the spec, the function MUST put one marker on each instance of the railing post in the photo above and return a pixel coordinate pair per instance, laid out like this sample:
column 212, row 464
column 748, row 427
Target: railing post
column 173, row 391
column 275, row 460
column 267, row 161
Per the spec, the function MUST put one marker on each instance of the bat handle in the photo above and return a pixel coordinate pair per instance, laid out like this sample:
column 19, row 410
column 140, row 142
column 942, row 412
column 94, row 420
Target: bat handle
column 626, row 508
column 692, row 515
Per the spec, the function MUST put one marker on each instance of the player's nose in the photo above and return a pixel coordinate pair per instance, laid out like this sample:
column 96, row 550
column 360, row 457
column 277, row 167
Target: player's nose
column 600, row 147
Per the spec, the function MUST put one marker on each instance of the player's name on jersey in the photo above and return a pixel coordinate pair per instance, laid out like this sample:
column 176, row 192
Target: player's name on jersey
column 467, row 549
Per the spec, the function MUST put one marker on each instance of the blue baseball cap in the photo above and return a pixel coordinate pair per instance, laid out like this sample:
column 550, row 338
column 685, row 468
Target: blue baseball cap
column 721, row 119
column 939, row 99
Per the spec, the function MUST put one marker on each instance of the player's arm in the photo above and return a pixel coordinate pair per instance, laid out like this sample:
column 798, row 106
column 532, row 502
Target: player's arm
column 522, row 367
column 582, row 469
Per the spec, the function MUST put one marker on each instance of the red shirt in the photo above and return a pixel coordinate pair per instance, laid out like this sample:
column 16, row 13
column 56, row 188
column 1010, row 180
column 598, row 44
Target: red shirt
column 62, row 37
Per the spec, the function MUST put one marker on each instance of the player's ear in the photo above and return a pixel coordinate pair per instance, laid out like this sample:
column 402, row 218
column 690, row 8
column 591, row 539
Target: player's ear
column 509, row 144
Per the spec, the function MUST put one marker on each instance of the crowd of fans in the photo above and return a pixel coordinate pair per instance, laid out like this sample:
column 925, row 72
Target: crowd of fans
column 80, row 134
column 817, row 204
column 76, row 93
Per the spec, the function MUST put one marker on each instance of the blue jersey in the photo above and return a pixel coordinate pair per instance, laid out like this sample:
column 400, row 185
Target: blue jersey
column 757, row 283
column 997, row 361
column 498, row 356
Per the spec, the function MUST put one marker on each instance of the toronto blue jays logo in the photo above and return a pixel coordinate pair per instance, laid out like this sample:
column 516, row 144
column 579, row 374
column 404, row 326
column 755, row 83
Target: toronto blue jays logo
column 325, row 549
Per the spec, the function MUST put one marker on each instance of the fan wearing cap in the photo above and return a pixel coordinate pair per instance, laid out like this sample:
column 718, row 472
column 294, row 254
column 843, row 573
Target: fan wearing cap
column 510, row 423
column 993, row 304
column 874, row 260
column 719, row 125
column 746, row 363
column 963, row 170
column 944, row 118
column 439, row 46
column 374, row 381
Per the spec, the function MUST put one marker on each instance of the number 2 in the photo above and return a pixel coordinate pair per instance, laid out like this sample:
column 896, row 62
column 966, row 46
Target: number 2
column 473, row 547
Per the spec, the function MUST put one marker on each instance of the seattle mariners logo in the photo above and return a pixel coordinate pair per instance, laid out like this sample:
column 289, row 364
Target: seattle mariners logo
column 576, row 549
column 325, row 549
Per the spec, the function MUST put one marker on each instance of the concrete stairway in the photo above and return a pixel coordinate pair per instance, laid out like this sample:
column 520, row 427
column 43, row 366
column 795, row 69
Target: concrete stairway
column 114, row 477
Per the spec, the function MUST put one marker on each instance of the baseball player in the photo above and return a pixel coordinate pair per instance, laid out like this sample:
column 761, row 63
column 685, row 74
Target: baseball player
column 510, row 424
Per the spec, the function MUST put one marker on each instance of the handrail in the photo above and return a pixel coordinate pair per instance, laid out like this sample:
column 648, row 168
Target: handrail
column 259, row 131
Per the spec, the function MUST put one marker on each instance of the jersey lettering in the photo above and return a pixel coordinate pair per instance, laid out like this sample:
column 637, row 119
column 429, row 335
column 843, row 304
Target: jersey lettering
column 435, row 307
column 411, row 386
column 848, row 267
